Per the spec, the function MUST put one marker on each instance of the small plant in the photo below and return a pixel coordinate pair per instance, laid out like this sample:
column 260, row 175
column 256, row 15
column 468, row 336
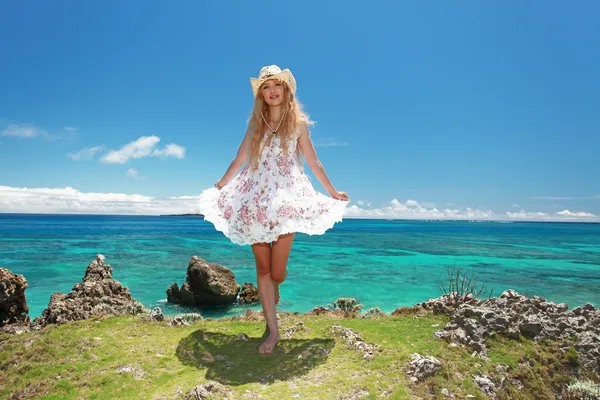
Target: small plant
column 348, row 305
column 585, row 390
column 462, row 288
column 189, row 317
column 136, row 307
column 374, row 313
column 572, row 357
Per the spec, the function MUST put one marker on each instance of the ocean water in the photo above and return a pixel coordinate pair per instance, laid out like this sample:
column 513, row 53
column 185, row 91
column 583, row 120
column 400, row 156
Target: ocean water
column 383, row 263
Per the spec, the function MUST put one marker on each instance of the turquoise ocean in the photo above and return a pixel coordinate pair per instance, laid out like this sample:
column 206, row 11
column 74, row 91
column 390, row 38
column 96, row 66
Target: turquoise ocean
column 383, row 263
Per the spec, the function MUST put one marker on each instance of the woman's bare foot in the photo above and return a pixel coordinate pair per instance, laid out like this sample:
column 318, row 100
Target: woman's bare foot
column 269, row 344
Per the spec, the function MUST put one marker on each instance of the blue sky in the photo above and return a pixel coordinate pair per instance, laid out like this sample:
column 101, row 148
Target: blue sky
column 468, row 109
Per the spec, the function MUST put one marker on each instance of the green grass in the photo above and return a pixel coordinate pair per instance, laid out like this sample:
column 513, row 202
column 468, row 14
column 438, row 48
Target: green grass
column 85, row 360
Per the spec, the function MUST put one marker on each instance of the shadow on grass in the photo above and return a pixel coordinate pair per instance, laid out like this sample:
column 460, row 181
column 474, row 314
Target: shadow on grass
column 231, row 361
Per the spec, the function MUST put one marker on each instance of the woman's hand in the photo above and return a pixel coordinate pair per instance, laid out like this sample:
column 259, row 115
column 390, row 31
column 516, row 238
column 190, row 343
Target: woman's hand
column 339, row 195
column 218, row 185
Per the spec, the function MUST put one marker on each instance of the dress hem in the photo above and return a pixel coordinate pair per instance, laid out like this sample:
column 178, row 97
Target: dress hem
column 316, row 226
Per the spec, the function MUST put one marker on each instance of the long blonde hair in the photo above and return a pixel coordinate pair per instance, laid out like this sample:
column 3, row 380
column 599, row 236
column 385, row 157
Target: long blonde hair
column 294, row 115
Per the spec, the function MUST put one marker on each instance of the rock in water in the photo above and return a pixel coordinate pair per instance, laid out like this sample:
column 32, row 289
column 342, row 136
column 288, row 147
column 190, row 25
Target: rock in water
column 13, row 305
column 206, row 284
column 248, row 294
column 98, row 294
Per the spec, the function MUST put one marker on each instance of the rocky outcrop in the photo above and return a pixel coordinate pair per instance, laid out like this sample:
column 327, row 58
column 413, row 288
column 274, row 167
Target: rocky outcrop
column 13, row 305
column 207, row 284
column 156, row 314
column 485, row 384
column 421, row 367
column 98, row 294
column 355, row 341
column 208, row 390
column 515, row 315
column 248, row 294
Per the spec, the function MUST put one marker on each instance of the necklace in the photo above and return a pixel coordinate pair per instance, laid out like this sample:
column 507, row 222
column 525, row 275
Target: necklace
column 274, row 131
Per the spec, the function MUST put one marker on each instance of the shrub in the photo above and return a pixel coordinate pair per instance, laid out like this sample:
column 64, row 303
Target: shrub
column 585, row 390
column 460, row 288
column 136, row 307
column 374, row 312
column 348, row 305
column 572, row 356
column 189, row 317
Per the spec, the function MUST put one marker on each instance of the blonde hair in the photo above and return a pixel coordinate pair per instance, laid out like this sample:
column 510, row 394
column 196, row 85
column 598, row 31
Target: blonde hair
column 294, row 115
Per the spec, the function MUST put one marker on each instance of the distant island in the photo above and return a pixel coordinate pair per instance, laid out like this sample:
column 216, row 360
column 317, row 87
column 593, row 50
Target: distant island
column 182, row 215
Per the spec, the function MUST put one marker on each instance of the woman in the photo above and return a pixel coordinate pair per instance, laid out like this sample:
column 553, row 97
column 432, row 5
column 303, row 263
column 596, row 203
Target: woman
column 272, row 198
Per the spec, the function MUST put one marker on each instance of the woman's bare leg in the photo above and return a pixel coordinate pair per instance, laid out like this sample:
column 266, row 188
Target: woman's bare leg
column 266, row 290
column 280, row 253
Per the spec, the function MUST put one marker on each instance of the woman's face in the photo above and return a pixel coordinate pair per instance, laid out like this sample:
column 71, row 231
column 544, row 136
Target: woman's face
column 272, row 91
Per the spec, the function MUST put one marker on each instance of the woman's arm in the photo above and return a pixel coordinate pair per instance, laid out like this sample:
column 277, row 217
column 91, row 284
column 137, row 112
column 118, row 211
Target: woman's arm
column 307, row 148
column 238, row 161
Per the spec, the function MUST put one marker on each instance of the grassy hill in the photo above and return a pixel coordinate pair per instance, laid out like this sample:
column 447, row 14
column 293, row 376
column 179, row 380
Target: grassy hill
column 132, row 357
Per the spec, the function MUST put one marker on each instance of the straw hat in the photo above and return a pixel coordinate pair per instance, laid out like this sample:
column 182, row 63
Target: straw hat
column 273, row 72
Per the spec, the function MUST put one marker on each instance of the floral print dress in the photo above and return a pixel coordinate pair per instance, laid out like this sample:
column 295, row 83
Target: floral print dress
column 277, row 198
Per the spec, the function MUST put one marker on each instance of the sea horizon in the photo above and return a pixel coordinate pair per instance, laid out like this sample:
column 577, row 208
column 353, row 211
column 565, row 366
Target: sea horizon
column 509, row 221
column 383, row 263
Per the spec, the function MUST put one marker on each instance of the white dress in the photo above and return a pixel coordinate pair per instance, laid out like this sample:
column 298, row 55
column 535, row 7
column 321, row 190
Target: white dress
column 257, row 206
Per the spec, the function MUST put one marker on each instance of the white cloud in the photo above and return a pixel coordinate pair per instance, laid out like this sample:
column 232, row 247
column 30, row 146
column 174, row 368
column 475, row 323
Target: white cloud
column 172, row 150
column 139, row 148
column 516, row 205
column 134, row 173
column 71, row 201
column 564, row 215
column 23, row 131
column 329, row 143
column 411, row 209
column 85, row 154
column 567, row 213
column 523, row 215
column 70, row 129
column 28, row 130
column 144, row 146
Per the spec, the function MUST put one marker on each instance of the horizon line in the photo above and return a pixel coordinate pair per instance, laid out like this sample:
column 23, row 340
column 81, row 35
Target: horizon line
column 353, row 218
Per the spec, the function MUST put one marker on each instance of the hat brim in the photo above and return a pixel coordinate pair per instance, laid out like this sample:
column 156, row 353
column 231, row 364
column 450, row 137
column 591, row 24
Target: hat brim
column 285, row 76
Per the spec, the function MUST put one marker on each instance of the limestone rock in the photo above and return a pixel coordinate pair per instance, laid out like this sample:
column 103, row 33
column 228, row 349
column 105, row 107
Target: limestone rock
column 13, row 304
column 157, row 315
column 514, row 315
column 354, row 340
column 98, row 294
column 248, row 294
column 421, row 367
column 206, row 284
column 485, row 384
column 208, row 391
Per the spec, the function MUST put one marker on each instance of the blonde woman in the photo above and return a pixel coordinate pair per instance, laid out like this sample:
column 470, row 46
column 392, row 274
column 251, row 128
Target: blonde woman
column 271, row 198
